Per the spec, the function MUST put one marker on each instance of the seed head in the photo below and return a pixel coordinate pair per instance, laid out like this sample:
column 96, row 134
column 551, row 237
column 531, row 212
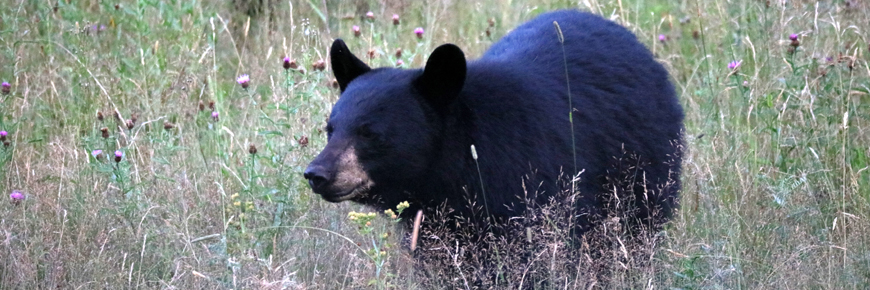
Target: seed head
column 371, row 54
column 319, row 65
column 395, row 19
column 134, row 117
column 6, row 88
column 491, row 22
column 118, row 155
column 252, row 149
column 105, row 131
column 168, row 126
column 244, row 81
column 334, row 83
column 696, row 34
column 100, row 116
column 303, row 141
column 398, row 52
column 201, row 106
column 356, row 31
column 419, row 32
column 6, row 143
column 290, row 63
column 130, row 124
column 211, row 105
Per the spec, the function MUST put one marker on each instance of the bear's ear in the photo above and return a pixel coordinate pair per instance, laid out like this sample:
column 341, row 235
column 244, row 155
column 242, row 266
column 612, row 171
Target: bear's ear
column 345, row 66
column 444, row 76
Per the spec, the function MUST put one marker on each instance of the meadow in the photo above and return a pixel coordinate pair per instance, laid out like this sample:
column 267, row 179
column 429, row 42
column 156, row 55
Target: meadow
column 135, row 155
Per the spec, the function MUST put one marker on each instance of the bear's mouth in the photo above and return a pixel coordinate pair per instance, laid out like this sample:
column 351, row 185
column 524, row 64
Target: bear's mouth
column 357, row 191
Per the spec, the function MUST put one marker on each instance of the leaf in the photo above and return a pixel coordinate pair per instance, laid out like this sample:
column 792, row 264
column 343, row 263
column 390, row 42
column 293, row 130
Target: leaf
column 270, row 132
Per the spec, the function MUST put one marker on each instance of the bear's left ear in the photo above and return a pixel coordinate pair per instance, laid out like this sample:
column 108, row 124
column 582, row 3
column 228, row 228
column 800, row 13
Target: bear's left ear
column 345, row 65
column 444, row 76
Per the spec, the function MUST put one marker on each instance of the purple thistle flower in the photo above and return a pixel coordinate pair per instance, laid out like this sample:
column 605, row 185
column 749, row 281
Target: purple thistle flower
column 97, row 153
column 662, row 38
column 6, row 88
column 3, row 135
column 419, row 32
column 244, row 80
column 118, row 155
column 400, row 62
column 395, row 19
column 16, row 197
column 734, row 64
column 215, row 116
column 287, row 62
column 370, row 15
column 794, row 41
column 355, row 29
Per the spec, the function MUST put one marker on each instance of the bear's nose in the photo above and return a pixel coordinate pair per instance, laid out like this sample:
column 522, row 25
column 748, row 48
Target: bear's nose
column 316, row 177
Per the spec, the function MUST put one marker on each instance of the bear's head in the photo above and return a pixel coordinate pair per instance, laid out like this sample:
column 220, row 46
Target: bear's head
column 386, row 129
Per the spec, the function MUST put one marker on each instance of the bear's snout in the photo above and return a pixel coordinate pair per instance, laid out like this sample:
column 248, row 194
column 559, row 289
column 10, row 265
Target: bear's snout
column 336, row 174
column 316, row 176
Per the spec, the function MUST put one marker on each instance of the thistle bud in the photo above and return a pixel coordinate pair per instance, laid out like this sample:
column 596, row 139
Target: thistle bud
column 319, row 65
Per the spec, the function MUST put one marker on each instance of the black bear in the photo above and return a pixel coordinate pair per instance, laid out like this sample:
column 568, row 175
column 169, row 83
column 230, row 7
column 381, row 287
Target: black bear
column 406, row 134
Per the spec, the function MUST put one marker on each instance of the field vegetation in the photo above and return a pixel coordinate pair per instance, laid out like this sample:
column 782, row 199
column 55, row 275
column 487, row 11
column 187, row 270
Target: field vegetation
column 135, row 154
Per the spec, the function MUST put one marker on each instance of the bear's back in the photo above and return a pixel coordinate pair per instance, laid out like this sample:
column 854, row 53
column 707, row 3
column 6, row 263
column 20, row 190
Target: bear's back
column 539, row 39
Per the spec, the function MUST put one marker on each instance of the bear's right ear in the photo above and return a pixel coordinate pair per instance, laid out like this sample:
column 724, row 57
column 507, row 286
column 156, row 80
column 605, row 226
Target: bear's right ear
column 444, row 76
column 345, row 66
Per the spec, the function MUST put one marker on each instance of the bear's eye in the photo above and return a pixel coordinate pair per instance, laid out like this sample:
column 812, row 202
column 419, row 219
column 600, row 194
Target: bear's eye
column 366, row 133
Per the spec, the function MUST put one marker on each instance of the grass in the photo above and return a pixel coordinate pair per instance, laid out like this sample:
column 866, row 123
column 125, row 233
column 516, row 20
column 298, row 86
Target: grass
column 776, row 179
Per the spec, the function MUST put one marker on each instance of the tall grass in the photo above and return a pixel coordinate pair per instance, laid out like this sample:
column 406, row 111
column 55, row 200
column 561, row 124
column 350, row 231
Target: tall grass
column 776, row 179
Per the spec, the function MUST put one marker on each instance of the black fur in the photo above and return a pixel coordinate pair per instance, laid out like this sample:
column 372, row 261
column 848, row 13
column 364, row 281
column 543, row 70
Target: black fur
column 411, row 130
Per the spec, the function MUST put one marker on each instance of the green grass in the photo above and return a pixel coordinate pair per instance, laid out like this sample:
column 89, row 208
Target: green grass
column 775, row 192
